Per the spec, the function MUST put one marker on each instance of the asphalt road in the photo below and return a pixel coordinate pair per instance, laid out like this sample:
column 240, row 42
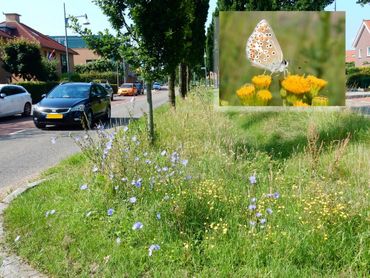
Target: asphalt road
column 25, row 151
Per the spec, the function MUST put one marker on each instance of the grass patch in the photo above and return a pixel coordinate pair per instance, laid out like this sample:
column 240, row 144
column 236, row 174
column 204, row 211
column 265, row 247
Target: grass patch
column 256, row 194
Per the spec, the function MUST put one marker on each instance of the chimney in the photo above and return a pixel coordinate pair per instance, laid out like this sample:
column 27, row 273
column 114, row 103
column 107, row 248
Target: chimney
column 12, row 17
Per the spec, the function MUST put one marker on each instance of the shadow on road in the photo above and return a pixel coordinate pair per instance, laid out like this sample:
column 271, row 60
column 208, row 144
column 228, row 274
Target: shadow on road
column 15, row 119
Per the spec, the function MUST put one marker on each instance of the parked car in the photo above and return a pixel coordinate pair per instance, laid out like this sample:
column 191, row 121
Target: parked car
column 14, row 100
column 127, row 89
column 140, row 88
column 74, row 103
column 156, row 86
column 109, row 89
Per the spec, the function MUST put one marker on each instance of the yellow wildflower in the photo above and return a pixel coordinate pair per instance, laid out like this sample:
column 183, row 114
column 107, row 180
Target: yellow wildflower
column 300, row 103
column 296, row 84
column 320, row 101
column 246, row 94
column 264, row 95
column 261, row 81
column 316, row 82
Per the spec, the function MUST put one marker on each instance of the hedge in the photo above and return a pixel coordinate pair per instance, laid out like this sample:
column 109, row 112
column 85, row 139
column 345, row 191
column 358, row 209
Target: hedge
column 110, row 76
column 359, row 80
column 37, row 88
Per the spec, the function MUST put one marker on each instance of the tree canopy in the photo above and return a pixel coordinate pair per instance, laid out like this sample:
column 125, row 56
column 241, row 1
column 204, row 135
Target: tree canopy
column 22, row 58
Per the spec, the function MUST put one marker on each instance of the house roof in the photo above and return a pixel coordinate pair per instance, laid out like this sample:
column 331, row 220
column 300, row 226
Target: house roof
column 4, row 35
column 22, row 30
column 365, row 25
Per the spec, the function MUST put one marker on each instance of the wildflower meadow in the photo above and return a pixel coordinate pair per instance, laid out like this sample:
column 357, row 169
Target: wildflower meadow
column 218, row 195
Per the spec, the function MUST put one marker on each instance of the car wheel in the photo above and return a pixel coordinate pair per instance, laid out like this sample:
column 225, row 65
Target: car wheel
column 38, row 125
column 87, row 120
column 27, row 110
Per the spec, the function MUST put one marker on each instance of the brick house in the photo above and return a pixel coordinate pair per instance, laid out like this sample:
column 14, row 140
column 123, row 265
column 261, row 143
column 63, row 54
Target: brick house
column 350, row 56
column 361, row 45
column 13, row 28
column 77, row 44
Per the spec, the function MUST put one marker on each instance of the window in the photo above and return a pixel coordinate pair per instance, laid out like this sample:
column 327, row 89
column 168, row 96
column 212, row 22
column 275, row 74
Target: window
column 368, row 51
column 359, row 53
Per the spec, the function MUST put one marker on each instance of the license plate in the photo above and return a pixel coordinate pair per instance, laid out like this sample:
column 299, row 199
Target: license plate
column 54, row 116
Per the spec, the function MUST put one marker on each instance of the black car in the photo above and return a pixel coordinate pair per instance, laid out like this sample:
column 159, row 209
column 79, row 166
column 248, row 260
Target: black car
column 73, row 103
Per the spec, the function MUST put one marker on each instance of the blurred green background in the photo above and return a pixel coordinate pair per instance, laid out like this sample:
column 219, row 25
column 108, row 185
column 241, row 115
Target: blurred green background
column 312, row 43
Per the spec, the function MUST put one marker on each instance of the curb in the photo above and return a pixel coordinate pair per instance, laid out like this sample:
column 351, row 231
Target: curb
column 12, row 266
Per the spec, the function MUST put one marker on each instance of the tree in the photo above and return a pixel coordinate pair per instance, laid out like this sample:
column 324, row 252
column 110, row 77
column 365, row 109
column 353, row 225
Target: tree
column 363, row 2
column 22, row 58
column 153, row 42
column 194, row 42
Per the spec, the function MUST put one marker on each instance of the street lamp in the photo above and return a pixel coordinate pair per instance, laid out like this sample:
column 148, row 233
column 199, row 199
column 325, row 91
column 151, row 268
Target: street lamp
column 205, row 68
column 66, row 36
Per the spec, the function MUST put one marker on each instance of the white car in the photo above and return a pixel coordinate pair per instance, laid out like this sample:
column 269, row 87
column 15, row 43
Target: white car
column 14, row 100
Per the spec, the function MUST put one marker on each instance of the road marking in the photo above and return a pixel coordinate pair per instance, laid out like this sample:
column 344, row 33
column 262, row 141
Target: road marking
column 16, row 132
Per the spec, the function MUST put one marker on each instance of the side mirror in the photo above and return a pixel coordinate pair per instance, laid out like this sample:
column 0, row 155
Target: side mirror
column 2, row 95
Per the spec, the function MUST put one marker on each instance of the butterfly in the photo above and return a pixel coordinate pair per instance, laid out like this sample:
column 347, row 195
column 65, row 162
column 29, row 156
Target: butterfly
column 263, row 49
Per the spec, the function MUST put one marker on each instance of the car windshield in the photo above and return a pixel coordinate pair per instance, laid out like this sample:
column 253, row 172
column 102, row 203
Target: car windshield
column 126, row 86
column 70, row 91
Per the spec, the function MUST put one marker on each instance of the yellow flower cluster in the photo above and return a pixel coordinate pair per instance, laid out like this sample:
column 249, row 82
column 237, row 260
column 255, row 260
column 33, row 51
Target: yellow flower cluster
column 296, row 84
column 246, row 93
column 264, row 95
column 316, row 82
column 323, row 210
column 256, row 94
column 301, row 91
column 300, row 103
column 261, row 81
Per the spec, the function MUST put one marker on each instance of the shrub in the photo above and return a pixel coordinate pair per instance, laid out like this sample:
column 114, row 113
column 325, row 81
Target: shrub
column 37, row 88
column 101, row 65
column 359, row 80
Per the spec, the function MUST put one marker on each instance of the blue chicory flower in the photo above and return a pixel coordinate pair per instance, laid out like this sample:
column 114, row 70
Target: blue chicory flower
column 158, row 216
column 184, row 162
column 263, row 221
column 252, row 223
column 84, row 187
column 276, row 195
column 137, row 226
column 258, row 214
column 252, row 207
column 269, row 210
column 252, row 179
column 132, row 200
column 110, row 212
column 153, row 247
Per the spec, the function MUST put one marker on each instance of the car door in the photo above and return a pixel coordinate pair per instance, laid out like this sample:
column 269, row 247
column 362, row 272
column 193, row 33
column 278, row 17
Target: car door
column 7, row 104
column 104, row 99
column 19, row 99
column 94, row 100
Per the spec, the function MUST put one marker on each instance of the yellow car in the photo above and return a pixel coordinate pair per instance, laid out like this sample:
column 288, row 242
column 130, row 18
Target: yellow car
column 127, row 89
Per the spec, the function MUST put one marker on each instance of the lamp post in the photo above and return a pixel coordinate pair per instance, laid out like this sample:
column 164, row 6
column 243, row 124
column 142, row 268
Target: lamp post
column 66, row 18
column 205, row 68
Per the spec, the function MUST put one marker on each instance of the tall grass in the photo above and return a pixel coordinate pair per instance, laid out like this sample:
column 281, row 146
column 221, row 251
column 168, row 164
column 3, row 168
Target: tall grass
column 257, row 194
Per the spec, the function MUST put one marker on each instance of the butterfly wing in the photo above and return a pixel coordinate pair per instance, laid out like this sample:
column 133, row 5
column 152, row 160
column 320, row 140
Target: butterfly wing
column 263, row 49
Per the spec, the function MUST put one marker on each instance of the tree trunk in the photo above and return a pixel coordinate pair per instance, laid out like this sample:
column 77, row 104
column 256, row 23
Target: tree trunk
column 171, row 88
column 150, row 113
column 183, row 82
column 188, row 79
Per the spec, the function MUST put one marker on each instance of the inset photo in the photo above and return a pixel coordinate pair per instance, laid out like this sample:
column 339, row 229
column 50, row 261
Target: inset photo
column 282, row 59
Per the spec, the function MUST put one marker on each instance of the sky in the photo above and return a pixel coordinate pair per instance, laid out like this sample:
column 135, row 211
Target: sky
column 46, row 16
